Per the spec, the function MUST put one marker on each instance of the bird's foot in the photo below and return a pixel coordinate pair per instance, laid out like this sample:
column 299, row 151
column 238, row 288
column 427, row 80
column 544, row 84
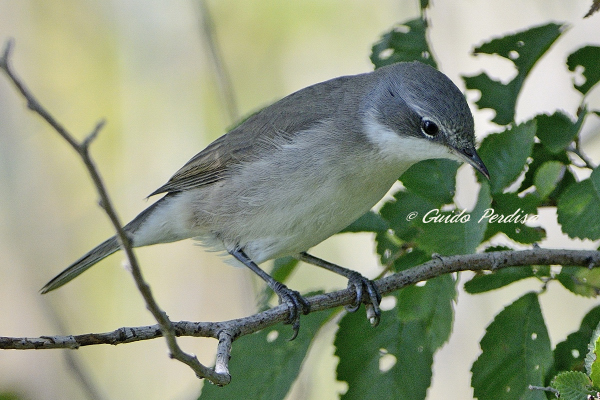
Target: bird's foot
column 365, row 287
column 296, row 305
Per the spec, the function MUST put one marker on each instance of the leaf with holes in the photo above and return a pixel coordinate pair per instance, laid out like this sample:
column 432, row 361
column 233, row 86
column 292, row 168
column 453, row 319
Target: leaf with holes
column 524, row 49
column 581, row 281
column 264, row 365
column 511, row 214
column 407, row 42
column 515, row 353
column 587, row 59
column 377, row 363
column 569, row 355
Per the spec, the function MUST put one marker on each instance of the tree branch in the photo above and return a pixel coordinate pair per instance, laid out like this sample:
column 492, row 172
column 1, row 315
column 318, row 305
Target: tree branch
column 82, row 149
column 228, row 331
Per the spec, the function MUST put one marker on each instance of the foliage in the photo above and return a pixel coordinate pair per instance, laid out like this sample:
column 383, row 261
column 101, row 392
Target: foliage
column 532, row 165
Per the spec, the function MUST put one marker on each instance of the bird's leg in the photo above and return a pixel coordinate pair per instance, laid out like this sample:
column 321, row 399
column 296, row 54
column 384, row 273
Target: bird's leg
column 292, row 298
column 356, row 280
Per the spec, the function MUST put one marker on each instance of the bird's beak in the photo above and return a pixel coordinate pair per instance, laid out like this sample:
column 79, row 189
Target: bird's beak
column 471, row 156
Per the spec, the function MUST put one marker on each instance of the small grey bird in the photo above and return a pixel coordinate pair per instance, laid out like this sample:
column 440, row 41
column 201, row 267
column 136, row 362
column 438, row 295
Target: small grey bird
column 304, row 168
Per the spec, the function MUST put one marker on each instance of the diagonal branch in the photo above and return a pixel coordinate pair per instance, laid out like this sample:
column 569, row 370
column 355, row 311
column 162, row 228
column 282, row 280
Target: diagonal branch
column 228, row 331
column 82, row 149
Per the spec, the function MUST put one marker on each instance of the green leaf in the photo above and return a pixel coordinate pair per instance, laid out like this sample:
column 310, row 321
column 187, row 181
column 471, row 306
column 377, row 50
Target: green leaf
column 434, row 180
column 578, row 207
column 406, row 42
column 378, row 362
column 509, row 213
column 264, row 365
column 573, row 385
column 581, row 281
column 588, row 59
column 458, row 237
column 366, row 354
column 592, row 363
column 403, row 214
column 547, row 177
column 484, row 282
column 506, row 153
column 557, row 131
column 569, row 355
column 524, row 49
column 516, row 353
column 411, row 259
column 432, row 304
column 369, row 222
column 539, row 156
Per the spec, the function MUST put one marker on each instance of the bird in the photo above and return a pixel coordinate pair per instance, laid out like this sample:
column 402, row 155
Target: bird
column 302, row 169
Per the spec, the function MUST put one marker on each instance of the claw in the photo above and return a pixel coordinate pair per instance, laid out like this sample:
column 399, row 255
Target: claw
column 295, row 303
column 360, row 283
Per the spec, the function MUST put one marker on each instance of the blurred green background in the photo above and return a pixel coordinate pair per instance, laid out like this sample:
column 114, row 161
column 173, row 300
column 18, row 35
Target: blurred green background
column 145, row 67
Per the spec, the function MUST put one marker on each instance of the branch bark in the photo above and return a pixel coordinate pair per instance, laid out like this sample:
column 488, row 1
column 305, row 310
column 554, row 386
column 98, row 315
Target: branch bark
column 244, row 326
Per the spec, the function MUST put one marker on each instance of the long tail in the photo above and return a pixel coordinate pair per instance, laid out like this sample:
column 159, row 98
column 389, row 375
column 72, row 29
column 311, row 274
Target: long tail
column 101, row 251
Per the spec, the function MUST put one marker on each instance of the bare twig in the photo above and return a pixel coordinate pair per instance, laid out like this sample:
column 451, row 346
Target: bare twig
column 225, row 88
column 228, row 331
column 83, row 150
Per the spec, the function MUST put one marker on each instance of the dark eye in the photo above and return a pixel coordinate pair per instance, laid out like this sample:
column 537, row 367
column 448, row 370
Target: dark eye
column 429, row 128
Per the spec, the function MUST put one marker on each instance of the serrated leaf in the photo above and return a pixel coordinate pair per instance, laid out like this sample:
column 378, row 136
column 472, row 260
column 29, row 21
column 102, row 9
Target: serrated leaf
column 557, row 131
column 434, row 180
column 592, row 363
column 578, row 207
column 547, row 177
column 366, row 354
column 481, row 283
column 581, row 281
column 264, row 365
column 457, row 237
column 569, row 355
column 403, row 213
column 588, row 58
column 572, row 385
column 405, row 339
column 369, row 222
column 524, row 49
column 431, row 304
column 516, row 353
column 539, row 156
column 506, row 153
column 406, row 42
column 510, row 213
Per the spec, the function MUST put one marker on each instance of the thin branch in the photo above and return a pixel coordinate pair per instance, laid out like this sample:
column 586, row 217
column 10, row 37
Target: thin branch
column 229, row 331
column 226, row 88
column 83, row 150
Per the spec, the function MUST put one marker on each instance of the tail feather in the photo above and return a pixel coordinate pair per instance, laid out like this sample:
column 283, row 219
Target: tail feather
column 101, row 251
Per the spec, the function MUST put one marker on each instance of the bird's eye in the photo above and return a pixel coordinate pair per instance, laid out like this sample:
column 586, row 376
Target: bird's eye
column 429, row 128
